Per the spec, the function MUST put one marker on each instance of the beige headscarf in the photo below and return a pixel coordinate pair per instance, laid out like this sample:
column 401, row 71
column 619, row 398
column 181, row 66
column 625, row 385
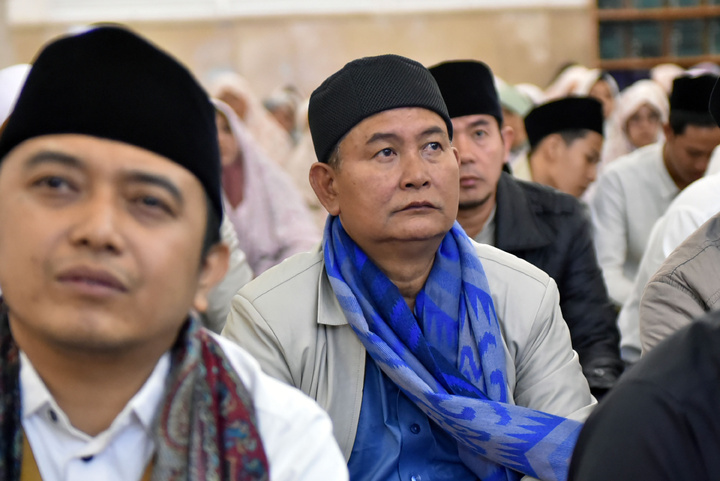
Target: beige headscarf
column 630, row 100
column 264, row 129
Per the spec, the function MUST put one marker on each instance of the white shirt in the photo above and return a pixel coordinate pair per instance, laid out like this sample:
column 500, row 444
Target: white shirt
column 630, row 197
column 296, row 433
column 691, row 209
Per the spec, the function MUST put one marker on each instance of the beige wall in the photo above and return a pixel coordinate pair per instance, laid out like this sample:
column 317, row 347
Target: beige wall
column 520, row 45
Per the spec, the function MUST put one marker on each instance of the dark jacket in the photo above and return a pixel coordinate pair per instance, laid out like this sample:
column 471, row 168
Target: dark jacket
column 551, row 230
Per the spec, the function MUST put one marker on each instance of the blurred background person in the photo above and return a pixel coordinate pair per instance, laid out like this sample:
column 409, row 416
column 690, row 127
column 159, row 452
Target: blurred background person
column 269, row 214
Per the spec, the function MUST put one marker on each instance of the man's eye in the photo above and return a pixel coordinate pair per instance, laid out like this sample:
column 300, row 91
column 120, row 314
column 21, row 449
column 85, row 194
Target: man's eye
column 480, row 133
column 385, row 153
column 53, row 182
column 435, row 146
column 151, row 202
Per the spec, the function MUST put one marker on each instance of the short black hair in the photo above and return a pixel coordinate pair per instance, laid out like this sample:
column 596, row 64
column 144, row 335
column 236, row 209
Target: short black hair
column 680, row 119
column 571, row 135
column 212, row 227
column 568, row 136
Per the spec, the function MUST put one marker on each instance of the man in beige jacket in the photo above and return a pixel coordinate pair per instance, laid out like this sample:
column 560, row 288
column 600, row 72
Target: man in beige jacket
column 432, row 354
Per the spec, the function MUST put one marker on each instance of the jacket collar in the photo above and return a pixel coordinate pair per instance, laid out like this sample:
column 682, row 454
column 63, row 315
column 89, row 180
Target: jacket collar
column 329, row 311
column 516, row 224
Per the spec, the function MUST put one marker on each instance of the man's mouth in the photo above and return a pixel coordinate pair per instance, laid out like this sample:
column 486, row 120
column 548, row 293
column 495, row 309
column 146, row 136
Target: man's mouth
column 92, row 280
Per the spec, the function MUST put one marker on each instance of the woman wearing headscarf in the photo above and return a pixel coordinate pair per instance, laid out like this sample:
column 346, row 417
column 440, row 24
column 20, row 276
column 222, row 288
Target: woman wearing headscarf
column 641, row 111
column 270, row 217
column 600, row 85
column 235, row 91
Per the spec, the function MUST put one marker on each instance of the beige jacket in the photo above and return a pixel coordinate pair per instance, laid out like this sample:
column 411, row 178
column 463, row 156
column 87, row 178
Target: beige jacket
column 290, row 320
column 684, row 288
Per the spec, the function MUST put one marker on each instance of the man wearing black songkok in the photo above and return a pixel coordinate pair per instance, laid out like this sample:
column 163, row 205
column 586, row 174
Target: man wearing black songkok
column 536, row 223
column 399, row 321
column 566, row 138
column 110, row 206
column 636, row 190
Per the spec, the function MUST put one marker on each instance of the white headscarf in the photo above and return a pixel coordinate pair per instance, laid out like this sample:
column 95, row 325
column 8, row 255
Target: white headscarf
column 631, row 99
column 11, row 81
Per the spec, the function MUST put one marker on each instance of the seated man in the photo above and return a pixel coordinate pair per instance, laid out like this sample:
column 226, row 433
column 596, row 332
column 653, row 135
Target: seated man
column 436, row 357
column 636, row 190
column 547, row 228
column 110, row 203
column 565, row 138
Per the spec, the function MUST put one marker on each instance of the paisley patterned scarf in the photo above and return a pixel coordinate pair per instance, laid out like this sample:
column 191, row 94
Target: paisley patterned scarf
column 206, row 427
column 448, row 357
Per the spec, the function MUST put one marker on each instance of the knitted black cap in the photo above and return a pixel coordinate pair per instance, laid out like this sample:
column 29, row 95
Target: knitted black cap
column 468, row 88
column 692, row 93
column 569, row 113
column 365, row 87
column 715, row 102
column 112, row 84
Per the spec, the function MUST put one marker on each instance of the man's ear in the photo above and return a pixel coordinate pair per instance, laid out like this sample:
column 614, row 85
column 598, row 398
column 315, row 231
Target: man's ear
column 668, row 131
column 554, row 146
column 213, row 269
column 322, row 180
column 508, row 135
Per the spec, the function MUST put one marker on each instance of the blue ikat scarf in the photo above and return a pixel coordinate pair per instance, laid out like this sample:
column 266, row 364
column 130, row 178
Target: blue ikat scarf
column 448, row 358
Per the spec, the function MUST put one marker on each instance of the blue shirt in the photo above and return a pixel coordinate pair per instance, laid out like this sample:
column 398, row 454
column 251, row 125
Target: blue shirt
column 396, row 441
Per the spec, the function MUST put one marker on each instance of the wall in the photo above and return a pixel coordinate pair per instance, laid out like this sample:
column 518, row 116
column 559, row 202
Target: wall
column 520, row 44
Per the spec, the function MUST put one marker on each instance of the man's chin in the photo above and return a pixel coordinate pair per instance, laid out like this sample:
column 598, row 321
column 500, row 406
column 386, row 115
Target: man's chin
column 473, row 204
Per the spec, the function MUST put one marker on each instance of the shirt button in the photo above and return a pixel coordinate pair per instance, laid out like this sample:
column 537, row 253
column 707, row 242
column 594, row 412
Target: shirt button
column 415, row 477
column 87, row 459
column 415, row 428
column 53, row 416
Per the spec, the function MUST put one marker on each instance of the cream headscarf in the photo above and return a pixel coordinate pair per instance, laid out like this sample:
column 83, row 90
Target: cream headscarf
column 266, row 131
column 631, row 99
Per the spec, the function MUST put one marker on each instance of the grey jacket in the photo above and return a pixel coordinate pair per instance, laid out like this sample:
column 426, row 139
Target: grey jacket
column 686, row 286
column 290, row 320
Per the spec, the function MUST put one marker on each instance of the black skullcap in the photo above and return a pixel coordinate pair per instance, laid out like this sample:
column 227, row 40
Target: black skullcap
column 692, row 93
column 715, row 102
column 365, row 87
column 468, row 88
column 569, row 113
column 112, row 84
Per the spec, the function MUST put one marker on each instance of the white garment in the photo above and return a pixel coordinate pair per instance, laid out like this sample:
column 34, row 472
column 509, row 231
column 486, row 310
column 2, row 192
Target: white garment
column 632, row 194
column 296, row 433
column 690, row 209
column 521, row 168
column 238, row 274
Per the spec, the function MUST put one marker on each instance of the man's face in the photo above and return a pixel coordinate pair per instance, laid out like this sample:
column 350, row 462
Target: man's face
column 482, row 153
column 688, row 154
column 576, row 164
column 101, row 246
column 397, row 179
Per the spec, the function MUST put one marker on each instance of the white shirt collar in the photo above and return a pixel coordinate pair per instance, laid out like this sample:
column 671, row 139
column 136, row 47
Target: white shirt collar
column 37, row 400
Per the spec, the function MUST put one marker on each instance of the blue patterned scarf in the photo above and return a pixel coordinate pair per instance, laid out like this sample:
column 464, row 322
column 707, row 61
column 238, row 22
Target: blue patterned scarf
column 448, row 358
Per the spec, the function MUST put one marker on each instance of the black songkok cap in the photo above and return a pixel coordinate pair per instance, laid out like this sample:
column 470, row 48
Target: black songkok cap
column 715, row 102
column 569, row 113
column 365, row 87
column 468, row 88
column 112, row 84
column 692, row 94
